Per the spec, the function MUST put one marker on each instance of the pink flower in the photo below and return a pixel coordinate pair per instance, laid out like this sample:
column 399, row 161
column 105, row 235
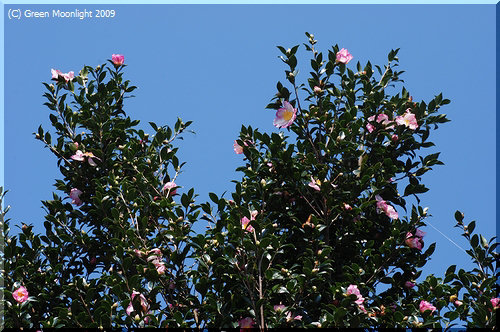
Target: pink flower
column 55, row 74
column 353, row 289
column 245, row 224
column 285, row 115
column 386, row 208
column 315, row 184
column 168, row 186
column 144, row 303
column 69, row 76
column 78, row 156
column 246, row 323
column 160, row 267
column 20, row 294
column 155, row 251
column 279, row 307
column 75, row 196
column 409, row 284
column 237, row 148
column 347, row 207
column 138, row 253
column 89, row 156
column 458, row 303
column 424, row 305
column 381, row 118
column 394, row 138
column 317, row 90
column 370, row 127
column 419, row 233
column 344, row 56
column 118, row 59
column 415, row 241
column 495, row 302
column 289, row 317
column 408, row 119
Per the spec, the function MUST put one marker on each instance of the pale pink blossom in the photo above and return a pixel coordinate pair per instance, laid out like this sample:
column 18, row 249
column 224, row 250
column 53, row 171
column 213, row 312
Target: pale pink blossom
column 91, row 161
column 347, row 207
column 458, row 303
column 380, row 118
column 245, row 224
column 285, row 115
column 55, row 74
column 408, row 119
column 495, row 302
column 370, row 127
column 415, row 241
column 409, row 284
column 386, row 208
column 424, row 305
column 344, row 56
column 279, row 307
column 246, row 323
column 78, row 156
column 168, row 186
column 317, row 90
column 118, row 59
column 419, row 233
column 160, row 267
column 353, row 289
column 74, row 194
column 155, row 251
column 68, row 76
column 144, row 303
column 315, row 184
column 21, row 294
column 237, row 148
column 289, row 317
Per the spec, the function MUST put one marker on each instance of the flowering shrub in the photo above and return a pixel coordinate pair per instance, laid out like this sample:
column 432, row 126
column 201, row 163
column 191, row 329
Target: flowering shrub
column 313, row 229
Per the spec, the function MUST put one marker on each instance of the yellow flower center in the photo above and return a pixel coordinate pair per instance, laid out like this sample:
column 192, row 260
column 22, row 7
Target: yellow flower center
column 287, row 115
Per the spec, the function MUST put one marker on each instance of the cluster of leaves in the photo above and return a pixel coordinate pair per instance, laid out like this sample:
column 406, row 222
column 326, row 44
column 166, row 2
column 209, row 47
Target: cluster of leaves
column 302, row 226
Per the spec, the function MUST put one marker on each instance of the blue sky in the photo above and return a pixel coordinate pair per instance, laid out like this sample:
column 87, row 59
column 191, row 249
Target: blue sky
column 218, row 66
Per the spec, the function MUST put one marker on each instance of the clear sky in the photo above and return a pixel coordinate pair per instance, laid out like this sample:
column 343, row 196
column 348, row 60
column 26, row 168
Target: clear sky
column 218, row 66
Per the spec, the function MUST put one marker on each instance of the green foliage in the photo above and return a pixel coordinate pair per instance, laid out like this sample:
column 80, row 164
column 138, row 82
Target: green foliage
column 308, row 238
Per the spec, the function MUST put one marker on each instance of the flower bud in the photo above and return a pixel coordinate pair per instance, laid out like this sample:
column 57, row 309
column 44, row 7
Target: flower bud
column 453, row 298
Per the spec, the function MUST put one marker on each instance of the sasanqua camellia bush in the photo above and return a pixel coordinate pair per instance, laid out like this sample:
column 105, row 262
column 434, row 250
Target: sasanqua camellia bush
column 311, row 236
